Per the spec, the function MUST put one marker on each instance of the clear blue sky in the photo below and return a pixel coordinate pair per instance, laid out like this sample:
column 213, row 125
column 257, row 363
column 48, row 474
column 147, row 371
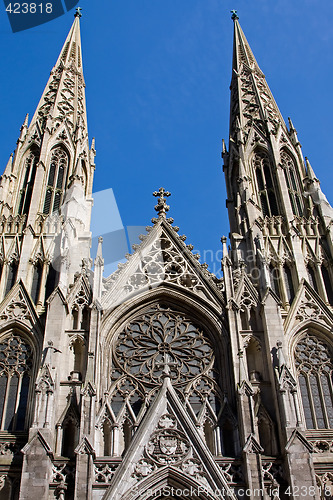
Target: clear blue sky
column 158, row 75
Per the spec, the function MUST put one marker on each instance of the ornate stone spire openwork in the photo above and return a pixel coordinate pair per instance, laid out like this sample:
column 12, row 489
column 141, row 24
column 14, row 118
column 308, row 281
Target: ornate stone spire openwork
column 162, row 208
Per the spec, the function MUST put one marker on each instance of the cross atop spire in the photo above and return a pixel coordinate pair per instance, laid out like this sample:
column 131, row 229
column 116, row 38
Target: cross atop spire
column 234, row 16
column 162, row 208
column 78, row 12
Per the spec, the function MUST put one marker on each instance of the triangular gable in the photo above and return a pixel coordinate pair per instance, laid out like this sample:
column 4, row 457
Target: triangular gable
column 308, row 306
column 252, row 445
column 85, row 448
column 18, row 306
column 256, row 137
column 13, row 250
column 37, row 440
column 161, row 258
column 167, row 428
column 298, row 436
column 44, row 379
column 80, row 288
column 246, row 294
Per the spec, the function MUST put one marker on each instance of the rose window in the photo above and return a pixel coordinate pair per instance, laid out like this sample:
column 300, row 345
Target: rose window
column 162, row 342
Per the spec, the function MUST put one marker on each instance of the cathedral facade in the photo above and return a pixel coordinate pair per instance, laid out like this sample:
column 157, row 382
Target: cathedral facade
column 162, row 381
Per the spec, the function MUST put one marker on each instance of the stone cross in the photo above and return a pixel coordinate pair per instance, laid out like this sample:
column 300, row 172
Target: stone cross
column 78, row 12
column 166, row 364
column 161, row 207
column 234, row 15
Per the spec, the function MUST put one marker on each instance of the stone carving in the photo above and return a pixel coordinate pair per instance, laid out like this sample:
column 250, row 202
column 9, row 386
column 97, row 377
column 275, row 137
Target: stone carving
column 163, row 341
column 62, row 472
column 15, row 355
column 193, row 467
column 103, row 473
column 168, row 446
column 2, row 481
column 9, row 448
column 17, row 309
column 322, row 446
column 309, row 310
column 232, row 472
column 162, row 262
column 144, row 468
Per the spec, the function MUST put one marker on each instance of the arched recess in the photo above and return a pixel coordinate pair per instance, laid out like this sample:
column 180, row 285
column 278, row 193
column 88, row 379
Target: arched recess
column 262, row 168
column 57, row 173
column 28, row 179
column 313, row 360
column 158, row 326
column 18, row 355
column 293, row 182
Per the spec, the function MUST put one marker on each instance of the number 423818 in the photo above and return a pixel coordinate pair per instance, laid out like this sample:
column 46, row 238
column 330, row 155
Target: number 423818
column 29, row 8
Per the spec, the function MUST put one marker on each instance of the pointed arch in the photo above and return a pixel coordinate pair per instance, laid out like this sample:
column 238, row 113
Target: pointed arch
column 28, row 180
column 264, row 178
column 291, row 175
column 56, row 179
column 16, row 370
column 313, row 356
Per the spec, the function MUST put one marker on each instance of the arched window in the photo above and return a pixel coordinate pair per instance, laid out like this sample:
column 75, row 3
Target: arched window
column 15, row 372
column 28, row 181
column 56, row 181
column 266, row 190
column 313, row 359
column 288, row 281
column 69, row 437
column 312, row 277
column 327, row 282
column 11, row 276
column 51, row 282
column 36, row 281
column 293, row 184
column 275, row 278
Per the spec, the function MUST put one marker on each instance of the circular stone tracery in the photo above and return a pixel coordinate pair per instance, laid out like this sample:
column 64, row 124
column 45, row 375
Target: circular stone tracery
column 161, row 341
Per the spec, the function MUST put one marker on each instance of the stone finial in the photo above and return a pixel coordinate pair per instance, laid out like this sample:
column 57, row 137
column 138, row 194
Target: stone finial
column 78, row 12
column 234, row 16
column 162, row 208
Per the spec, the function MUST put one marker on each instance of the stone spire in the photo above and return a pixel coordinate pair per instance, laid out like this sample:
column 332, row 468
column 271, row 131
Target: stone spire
column 252, row 102
column 63, row 100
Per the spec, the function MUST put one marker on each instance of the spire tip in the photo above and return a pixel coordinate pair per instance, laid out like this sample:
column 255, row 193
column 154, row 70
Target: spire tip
column 234, row 15
column 78, row 12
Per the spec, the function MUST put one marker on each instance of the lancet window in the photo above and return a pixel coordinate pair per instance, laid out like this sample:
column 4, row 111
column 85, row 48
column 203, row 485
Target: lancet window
column 314, row 364
column 11, row 275
column 288, row 282
column 28, row 181
column 15, row 373
column 56, row 181
column 327, row 282
column 36, row 281
column 266, row 191
column 293, row 184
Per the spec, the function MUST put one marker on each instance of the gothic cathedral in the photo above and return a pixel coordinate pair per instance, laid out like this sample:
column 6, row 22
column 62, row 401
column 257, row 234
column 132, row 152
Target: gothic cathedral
column 162, row 381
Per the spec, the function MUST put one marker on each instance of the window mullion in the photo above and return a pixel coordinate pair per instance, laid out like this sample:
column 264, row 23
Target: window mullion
column 18, row 393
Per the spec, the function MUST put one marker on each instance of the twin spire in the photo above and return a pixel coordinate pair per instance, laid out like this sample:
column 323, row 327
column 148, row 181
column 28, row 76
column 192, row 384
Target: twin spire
column 63, row 99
